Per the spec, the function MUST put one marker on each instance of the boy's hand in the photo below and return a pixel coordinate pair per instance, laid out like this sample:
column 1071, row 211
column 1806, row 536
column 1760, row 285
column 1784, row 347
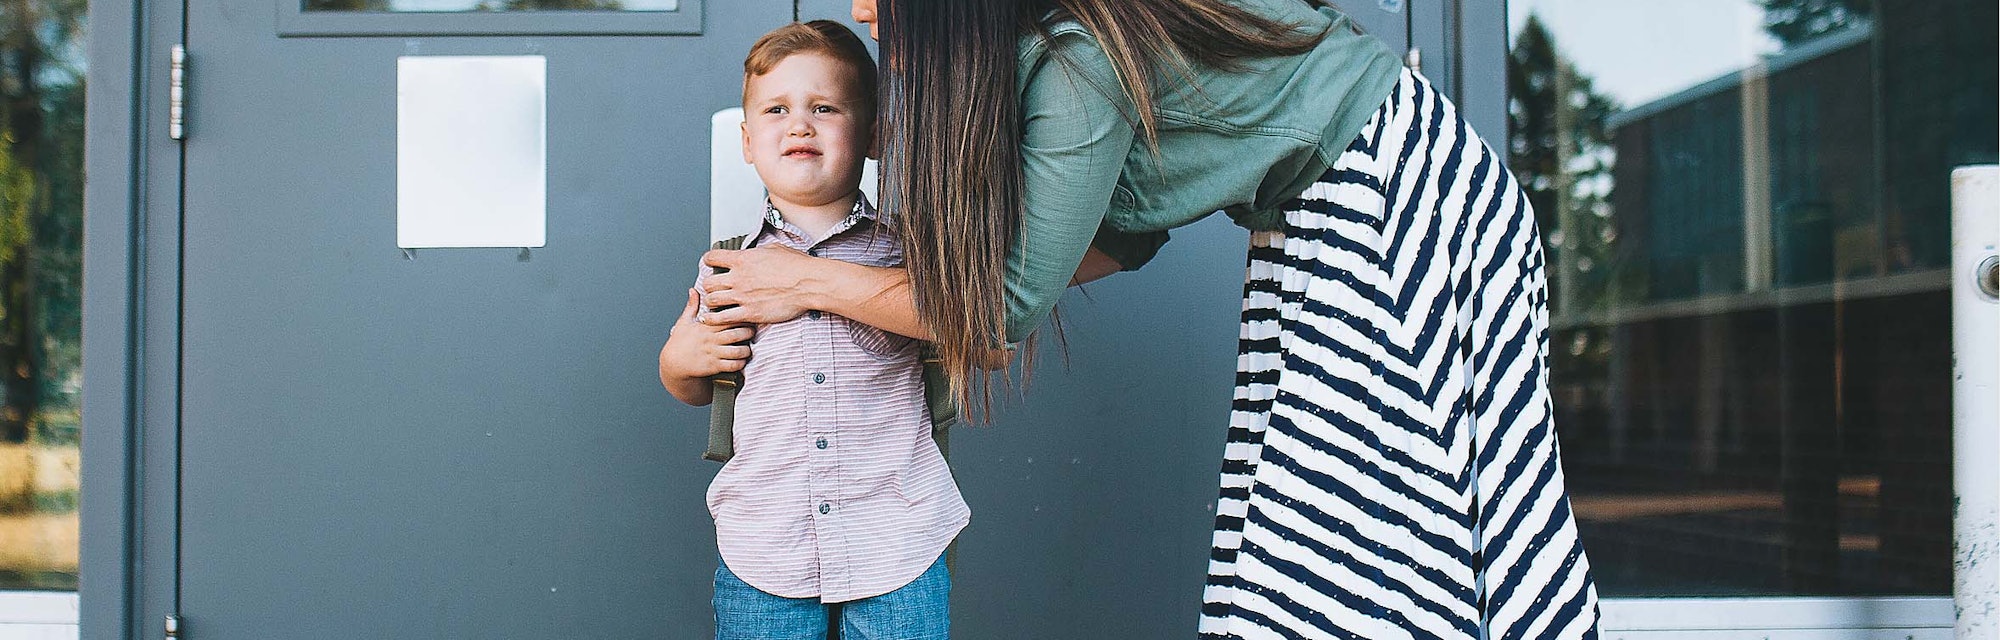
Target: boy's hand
column 695, row 351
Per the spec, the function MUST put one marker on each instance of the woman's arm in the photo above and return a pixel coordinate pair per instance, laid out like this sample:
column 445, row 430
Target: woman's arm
column 875, row 296
column 1074, row 144
column 774, row 284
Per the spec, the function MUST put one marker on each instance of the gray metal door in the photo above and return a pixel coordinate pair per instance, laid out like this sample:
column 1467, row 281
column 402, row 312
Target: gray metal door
column 463, row 443
column 472, row 442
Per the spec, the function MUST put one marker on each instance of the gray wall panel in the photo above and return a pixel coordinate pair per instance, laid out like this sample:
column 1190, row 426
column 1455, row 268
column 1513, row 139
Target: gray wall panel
column 1385, row 19
column 1431, row 32
column 1482, row 68
column 1094, row 497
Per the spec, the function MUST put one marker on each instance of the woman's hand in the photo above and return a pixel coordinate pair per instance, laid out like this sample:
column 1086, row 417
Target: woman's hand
column 1095, row 266
column 765, row 285
column 696, row 351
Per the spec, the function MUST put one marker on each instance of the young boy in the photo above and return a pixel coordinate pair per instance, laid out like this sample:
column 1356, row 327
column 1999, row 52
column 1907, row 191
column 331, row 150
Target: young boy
column 836, row 493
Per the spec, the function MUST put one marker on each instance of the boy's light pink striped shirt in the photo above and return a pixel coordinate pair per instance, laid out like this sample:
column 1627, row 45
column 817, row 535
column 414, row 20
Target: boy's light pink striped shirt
column 836, row 490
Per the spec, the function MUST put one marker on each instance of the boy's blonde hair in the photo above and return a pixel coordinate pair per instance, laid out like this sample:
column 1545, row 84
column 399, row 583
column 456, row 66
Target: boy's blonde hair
column 824, row 37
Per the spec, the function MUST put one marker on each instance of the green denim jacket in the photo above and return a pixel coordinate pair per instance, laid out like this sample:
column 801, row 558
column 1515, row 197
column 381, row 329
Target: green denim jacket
column 1242, row 142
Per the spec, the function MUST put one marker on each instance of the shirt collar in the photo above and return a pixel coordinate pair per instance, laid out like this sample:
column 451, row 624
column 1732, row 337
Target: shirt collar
column 863, row 210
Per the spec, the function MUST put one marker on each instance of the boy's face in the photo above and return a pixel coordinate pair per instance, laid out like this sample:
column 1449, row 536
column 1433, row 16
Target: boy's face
column 807, row 129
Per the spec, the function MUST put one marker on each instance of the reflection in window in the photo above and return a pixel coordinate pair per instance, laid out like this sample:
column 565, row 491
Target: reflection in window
column 1747, row 209
column 456, row 6
column 41, row 258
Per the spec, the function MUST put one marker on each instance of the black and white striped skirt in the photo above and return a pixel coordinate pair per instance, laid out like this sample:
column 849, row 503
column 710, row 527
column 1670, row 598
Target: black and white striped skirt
column 1391, row 469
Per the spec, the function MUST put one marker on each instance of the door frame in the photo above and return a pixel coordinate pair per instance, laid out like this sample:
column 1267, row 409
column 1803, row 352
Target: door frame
column 131, row 326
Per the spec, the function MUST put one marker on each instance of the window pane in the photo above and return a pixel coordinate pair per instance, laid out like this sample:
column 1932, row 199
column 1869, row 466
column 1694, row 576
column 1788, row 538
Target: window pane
column 454, row 6
column 1747, row 209
column 41, row 277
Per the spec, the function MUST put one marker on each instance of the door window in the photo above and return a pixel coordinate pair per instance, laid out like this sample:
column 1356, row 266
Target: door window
column 318, row 18
column 450, row 6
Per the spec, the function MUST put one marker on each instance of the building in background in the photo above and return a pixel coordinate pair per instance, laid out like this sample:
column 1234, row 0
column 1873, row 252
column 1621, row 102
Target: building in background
column 1753, row 355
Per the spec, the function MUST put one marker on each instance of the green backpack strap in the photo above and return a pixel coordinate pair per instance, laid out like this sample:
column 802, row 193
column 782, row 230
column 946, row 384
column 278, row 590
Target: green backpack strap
column 944, row 413
column 937, row 397
column 722, row 409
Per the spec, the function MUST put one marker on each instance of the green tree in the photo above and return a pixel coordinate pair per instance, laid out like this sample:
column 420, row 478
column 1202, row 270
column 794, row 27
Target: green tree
column 1562, row 154
column 41, row 76
column 1796, row 21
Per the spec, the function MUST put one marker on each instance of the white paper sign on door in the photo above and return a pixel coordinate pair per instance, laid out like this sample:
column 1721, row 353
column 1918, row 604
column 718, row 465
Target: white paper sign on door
column 471, row 151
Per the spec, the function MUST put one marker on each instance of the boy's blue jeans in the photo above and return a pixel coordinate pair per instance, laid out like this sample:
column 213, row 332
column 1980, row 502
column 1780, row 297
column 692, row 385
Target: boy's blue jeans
column 920, row 610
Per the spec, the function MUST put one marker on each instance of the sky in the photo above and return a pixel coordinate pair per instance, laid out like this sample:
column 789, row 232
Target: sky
column 1637, row 51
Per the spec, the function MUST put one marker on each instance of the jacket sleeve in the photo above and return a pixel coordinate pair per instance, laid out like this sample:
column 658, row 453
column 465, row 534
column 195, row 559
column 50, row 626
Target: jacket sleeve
column 1075, row 138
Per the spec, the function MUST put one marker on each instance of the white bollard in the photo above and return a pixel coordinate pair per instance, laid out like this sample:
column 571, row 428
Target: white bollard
column 735, row 195
column 1975, row 310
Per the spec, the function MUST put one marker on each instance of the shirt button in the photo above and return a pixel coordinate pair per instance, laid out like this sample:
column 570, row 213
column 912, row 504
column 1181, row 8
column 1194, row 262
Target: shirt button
column 814, row 314
column 824, row 508
column 814, row 252
column 819, row 378
column 821, row 443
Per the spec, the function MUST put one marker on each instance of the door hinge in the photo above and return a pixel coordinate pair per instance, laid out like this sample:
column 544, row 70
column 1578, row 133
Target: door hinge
column 173, row 627
column 177, row 98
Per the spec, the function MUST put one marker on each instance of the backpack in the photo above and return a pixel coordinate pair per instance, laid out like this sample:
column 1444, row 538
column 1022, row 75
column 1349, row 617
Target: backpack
column 722, row 410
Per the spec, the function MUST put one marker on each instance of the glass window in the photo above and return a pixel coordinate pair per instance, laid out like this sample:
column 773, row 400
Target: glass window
column 41, row 273
column 374, row 18
column 1747, row 209
column 454, row 6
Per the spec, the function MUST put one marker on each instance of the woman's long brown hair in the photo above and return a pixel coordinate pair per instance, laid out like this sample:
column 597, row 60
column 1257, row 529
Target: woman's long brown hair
column 951, row 135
